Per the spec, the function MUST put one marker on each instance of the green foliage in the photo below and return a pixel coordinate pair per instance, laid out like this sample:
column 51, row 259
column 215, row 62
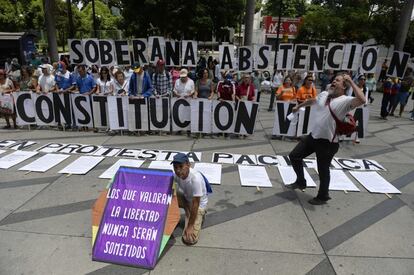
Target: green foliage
column 289, row 8
column 180, row 18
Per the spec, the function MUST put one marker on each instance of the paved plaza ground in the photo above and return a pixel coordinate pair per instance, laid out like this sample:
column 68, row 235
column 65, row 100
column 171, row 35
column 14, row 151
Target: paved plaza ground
column 45, row 218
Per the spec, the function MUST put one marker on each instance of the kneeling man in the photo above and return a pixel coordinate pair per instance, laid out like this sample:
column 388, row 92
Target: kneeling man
column 192, row 196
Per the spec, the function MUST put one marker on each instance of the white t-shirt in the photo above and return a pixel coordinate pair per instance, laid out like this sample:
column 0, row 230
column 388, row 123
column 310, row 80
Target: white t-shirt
column 325, row 126
column 105, row 87
column 193, row 186
column 7, row 85
column 184, row 89
column 46, row 82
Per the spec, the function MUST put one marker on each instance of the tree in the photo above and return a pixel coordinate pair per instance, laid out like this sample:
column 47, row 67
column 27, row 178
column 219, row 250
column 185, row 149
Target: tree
column 292, row 8
column 180, row 19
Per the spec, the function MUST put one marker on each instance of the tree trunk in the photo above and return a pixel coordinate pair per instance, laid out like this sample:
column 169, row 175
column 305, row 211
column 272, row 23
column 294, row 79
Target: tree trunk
column 71, row 30
column 248, row 22
column 49, row 7
column 403, row 25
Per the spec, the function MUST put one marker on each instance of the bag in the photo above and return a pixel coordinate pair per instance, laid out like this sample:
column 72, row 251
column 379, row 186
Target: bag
column 345, row 127
column 6, row 105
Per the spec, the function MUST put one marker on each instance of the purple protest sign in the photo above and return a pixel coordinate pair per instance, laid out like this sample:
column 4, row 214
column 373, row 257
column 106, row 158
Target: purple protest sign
column 133, row 222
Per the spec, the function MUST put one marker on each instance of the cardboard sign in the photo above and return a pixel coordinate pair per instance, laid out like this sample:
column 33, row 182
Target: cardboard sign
column 133, row 222
column 15, row 158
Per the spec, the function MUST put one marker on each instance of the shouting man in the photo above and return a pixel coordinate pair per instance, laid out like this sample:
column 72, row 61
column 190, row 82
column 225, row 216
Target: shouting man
column 323, row 139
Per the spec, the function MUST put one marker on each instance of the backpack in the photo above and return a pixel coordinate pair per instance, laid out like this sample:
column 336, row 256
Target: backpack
column 208, row 186
column 347, row 126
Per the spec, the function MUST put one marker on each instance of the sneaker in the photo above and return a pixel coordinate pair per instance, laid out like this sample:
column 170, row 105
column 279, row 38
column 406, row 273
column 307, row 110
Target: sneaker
column 316, row 201
column 296, row 185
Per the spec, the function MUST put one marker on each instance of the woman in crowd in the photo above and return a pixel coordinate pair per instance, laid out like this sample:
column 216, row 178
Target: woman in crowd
column 204, row 87
column 226, row 89
column 371, row 84
column 105, row 86
column 121, row 87
column 245, row 90
column 307, row 90
column 286, row 92
column 395, row 89
column 25, row 79
column 6, row 107
column 387, row 97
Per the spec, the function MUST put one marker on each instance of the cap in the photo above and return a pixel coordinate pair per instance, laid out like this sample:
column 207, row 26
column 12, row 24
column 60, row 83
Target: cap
column 43, row 66
column 180, row 158
column 229, row 76
column 137, row 67
column 183, row 73
column 160, row 62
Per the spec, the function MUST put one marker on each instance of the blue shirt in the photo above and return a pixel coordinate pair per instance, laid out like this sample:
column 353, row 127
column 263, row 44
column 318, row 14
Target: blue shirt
column 64, row 81
column 85, row 84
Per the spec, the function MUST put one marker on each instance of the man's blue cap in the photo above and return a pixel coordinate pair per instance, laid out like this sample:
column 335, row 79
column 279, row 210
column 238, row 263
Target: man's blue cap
column 180, row 158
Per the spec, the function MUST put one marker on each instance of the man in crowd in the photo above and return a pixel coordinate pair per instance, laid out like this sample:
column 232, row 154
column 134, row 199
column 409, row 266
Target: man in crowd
column 63, row 78
column 184, row 87
column 161, row 80
column 323, row 140
column 85, row 83
column 46, row 80
column 192, row 196
column 140, row 82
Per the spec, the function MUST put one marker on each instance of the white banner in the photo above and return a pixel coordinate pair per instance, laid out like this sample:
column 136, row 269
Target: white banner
column 82, row 110
column 118, row 112
column 181, row 114
column 201, row 115
column 283, row 126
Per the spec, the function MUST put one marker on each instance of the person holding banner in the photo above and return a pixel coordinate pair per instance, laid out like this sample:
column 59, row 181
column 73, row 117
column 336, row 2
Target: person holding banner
column 184, row 87
column 104, row 84
column 121, row 86
column 204, row 86
column 226, row 90
column 25, row 80
column 323, row 138
column 286, row 92
column 85, row 83
column 63, row 78
column 161, row 80
column 46, row 80
column 192, row 190
column 140, row 83
column 245, row 90
column 307, row 90
column 6, row 100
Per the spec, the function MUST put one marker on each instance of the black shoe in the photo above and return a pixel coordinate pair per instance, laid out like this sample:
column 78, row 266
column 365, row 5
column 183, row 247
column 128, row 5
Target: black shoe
column 317, row 201
column 7, row 127
column 295, row 185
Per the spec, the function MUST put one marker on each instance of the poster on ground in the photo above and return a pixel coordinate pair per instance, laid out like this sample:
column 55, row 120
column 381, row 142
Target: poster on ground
column 132, row 226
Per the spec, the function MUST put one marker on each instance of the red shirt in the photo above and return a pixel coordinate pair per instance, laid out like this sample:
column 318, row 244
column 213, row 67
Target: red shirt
column 245, row 90
column 225, row 90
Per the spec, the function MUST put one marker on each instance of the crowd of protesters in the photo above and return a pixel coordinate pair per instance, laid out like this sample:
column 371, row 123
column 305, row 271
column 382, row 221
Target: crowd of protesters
column 206, row 80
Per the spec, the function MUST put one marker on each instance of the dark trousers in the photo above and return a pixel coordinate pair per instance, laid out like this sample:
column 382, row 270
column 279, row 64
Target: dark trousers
column 387, row 104
column 272, row 100
column 325, row 151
